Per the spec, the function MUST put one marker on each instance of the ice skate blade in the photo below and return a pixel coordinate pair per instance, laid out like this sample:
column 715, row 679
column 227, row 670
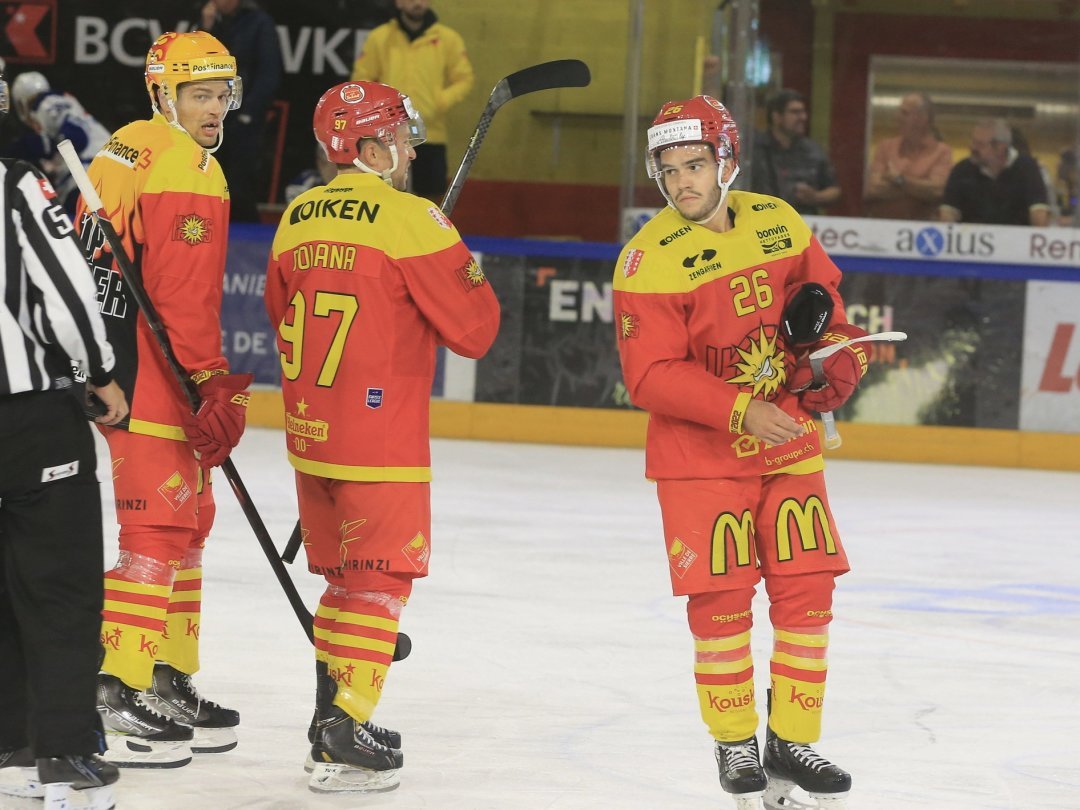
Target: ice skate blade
column 213, row 740
column 61, row 796
column 309, row 763
column 784, row 795
column 20, row 782
column 133, row 752
column 335, row 777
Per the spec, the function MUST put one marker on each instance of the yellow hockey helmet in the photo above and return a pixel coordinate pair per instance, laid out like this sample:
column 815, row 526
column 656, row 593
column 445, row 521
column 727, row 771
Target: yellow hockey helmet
column 194, row 56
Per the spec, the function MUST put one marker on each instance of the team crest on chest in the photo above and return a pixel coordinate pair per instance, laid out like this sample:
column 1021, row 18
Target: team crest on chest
column 759, row 363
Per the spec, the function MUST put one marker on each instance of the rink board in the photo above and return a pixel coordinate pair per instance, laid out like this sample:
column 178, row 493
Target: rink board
column 990, row 373
column 608, row 428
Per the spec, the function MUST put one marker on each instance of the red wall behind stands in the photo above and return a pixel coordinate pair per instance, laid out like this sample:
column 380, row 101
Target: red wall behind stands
column 857, row 37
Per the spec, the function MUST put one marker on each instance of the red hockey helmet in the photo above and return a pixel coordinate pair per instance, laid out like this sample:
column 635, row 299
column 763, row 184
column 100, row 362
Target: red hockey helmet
column 701, row 119
column 352, row 111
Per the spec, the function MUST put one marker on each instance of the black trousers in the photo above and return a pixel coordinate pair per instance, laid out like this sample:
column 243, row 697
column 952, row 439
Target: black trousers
column 51, row 564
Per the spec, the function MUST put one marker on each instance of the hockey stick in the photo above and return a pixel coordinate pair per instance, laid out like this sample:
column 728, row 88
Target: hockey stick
column 545, row 76
column 817, row 363
column 191, row 392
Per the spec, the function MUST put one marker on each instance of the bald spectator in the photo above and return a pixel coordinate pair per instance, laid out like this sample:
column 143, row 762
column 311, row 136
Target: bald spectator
column 908, row 172
column 996, row 185
column 787, row 164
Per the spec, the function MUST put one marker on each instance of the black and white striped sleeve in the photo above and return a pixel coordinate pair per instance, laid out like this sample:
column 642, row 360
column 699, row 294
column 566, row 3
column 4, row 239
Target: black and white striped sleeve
column 58, row 281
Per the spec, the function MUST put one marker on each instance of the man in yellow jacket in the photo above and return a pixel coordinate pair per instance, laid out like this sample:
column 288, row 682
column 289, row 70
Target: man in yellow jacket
column 426, row 61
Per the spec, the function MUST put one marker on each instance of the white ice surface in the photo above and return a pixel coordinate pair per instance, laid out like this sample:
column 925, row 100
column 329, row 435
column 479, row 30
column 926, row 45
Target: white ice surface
column 552, row 668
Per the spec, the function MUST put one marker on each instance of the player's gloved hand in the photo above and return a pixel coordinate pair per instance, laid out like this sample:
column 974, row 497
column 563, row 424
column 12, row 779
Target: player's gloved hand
column 842, row 370
column 215, row 429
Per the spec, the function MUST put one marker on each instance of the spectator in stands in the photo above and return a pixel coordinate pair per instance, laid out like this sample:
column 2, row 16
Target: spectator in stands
column 907, row 173
column 426, row 61
column 251, row 36
column 787, row 164
column 996, row 185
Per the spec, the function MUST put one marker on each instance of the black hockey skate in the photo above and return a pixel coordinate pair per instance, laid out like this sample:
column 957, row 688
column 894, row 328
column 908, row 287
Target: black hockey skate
column 174, row 695
column 137, row 735
column 18, row 774
column 77, row 781
column 795, row 765
column 740, row 772
column 347, row 758
column 325, row 689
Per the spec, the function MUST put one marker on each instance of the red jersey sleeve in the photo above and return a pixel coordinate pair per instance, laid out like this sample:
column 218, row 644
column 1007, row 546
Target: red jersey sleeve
column 450, row 290
column 654, row 346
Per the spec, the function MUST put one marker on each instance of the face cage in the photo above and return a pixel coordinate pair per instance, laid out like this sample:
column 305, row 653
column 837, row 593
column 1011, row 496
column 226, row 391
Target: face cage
column 388, row 138
column 656, row 173
column 653, row 165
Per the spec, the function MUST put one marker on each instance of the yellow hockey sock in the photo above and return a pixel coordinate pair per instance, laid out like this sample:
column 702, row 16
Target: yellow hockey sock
column 724, row 672
column 180, row 641
column 798, row 668
column 133, row 620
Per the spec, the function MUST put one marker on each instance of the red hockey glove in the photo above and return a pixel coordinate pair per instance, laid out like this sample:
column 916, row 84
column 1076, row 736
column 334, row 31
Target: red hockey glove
column 842, row 370
column 216, row 427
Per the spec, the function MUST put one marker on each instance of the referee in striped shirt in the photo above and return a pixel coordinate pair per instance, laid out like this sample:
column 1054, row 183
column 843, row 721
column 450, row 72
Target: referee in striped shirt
column 51, row 555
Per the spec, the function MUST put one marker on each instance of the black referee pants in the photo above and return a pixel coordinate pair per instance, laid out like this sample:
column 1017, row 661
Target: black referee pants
column 51, row 564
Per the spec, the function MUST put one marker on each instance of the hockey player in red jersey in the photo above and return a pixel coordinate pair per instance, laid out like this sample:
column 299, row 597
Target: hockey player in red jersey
column 364, row 282
column 700, row 295
column 168, row 201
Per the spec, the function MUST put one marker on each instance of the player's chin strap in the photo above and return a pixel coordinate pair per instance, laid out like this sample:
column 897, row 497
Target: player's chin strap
column 174, row 120
column 386, row 173
column 723, row 191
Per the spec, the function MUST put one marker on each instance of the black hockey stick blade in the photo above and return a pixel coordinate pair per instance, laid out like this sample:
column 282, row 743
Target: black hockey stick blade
column 545, row 76
column 549, row 76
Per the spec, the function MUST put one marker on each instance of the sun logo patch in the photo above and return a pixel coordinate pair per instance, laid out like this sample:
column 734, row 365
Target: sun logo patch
column 471, row 275
column 629, row 325
column 760, row 364
column 193, row 229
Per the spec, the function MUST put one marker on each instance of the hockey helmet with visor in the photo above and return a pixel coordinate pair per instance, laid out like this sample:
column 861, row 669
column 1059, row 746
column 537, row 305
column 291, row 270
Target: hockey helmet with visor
column 351, row 112
column 699, row 120
column 194, row 56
